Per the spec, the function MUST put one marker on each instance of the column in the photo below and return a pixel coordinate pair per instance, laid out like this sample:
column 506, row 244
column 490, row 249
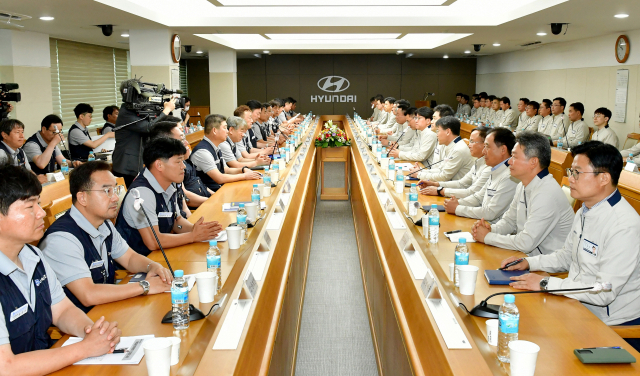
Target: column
column 223, row 82
column 26, row 61
column 150, row 56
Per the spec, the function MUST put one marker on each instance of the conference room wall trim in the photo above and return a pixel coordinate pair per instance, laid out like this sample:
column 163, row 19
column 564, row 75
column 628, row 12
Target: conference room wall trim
column 297, row 76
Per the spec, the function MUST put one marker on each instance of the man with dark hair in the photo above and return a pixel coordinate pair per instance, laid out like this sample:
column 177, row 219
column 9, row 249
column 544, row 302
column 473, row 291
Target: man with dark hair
column 508, row 117
column 459, row 100
column 252, row 145
column 522, row 109
column 578, row 130
column 42, row 149
column 478, row 115
column 494, row 198
column 12, row 136
column 604, row 133
column 401, row 125
column 546, row 119
column 80, row 143
column 440, row 111
column 452, row 158
column 256, row 111
column 207, row 156
column 474, row 109
column 405, row 131
column 473, row 181
column 465, row 109
column 374, row 108
column 421, row 150
column 32, row 299
column 110, row 116
column 532, row 120
column 560, row 119
column 539, row 217
column 184, row 113
column 495, row 113
column 604, row 245
column 390, row 118
column 82, row 245
column 164, row 168
column 230, row 149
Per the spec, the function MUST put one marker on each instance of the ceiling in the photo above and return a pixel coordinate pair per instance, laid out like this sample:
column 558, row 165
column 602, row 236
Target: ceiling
column 424, row 28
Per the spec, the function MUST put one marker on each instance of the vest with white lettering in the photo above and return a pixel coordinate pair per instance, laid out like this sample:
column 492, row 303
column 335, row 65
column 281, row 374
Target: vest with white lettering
column 217, row 156
column 22, row 156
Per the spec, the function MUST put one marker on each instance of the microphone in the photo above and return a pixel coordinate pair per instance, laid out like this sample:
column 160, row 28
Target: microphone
column 490, row 311
column 194, row 313
column 397, row 141
column 430, row 165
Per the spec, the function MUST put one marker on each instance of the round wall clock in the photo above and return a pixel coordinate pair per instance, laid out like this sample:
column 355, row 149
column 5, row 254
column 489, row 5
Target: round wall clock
column 176, row 48
column 622, row 48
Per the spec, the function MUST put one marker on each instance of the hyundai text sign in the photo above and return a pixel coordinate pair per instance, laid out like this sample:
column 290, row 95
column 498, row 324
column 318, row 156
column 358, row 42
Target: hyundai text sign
column 333, row 84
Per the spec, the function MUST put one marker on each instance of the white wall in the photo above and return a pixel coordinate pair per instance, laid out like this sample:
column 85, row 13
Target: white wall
column 579, row 71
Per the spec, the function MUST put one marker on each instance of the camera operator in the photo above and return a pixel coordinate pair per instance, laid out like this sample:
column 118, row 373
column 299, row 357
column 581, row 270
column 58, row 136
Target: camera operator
column 132, row 130
column 5, row 114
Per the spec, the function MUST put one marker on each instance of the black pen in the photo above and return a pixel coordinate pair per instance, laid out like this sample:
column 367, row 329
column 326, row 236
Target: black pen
column 512, row 263
column 120, row 351
column 594, row 348
column 452, row 232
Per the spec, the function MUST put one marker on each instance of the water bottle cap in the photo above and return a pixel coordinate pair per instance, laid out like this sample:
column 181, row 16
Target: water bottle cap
column 509, row 299
column 413, row 185
column 266, row 169
column 391, row 158
column 178, row 273
column 241, row 205
column 630, row 155
column 434, row 206
column 255, row 186
column 64, row 160
column 213, row 243
column 462, row 241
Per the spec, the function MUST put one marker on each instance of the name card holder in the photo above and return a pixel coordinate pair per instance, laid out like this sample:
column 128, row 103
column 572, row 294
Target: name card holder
column 416, row 263
column 250, row 287
column 267, row 241
column 287, row 187
column 58, row 176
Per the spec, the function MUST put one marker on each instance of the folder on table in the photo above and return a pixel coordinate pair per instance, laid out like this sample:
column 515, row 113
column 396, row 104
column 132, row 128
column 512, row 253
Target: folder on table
column 502, row 277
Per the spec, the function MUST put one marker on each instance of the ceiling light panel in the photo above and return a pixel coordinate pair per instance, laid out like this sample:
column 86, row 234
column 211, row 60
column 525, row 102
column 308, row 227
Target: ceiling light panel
column 302, row 3
column 335, row 37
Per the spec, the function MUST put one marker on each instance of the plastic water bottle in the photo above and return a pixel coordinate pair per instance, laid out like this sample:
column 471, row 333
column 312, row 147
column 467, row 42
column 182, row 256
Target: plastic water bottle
column 434, row 224
column 275, row 171
column 91, row 157
column 462, row 258
column 559, row 142
column 214, row 262
column 199, row 125
column 384, row 161
column 64, row 167
column 399, row 183
column 509, row 317
column 266, row 177
column 392, row 169
column 180, row 301
column 630, row 159
column 378, row 150
column 255, row 195
column 241, row 220
column 413, row 200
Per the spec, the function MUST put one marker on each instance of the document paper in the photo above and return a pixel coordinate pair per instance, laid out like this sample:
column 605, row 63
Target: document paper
column 125, row 342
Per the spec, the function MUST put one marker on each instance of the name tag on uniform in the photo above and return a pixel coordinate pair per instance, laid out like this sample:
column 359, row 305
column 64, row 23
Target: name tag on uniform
column 555, row 125
column 573, row 131
column 437, row 151
column 18, row 312
column 491, row 192
column 590, row 247
column 96, row 264
column 165, row 215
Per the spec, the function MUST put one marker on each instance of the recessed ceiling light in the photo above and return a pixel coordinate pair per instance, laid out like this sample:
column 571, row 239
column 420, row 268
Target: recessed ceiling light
column 49, row 18
column 542, row 34
column 198, row 52
column 265, row 52
column 409, row 55
column 126, row 35
column 445, row 57
column 467, row 52
column 621, row 15
column 400, row 51
column 496, row 45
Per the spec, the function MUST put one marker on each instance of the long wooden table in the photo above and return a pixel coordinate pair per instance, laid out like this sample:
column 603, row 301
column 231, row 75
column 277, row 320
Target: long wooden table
column 406, row 337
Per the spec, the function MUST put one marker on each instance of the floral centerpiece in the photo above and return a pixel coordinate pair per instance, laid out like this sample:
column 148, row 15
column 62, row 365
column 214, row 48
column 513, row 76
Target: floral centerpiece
column 332, row 137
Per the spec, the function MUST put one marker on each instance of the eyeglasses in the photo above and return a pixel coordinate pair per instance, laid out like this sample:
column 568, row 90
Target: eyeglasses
column 118, row 189
column 596, row 116
column 576, row 174
column 475, row 142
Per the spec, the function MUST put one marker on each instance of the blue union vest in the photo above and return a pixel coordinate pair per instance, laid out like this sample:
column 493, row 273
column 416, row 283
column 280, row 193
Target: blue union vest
column 79, row 151
column 51, row 166
column 217, row 156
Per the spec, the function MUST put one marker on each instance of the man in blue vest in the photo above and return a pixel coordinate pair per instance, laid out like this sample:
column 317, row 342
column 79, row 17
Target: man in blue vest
column 157, row 187
column 207, row 157
column 11, row 141
column 82, row 246
column 42, row 148
column 80, row 143
column 31, row 296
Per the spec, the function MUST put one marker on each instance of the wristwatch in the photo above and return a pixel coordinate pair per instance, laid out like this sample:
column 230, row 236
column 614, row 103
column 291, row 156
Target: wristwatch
column 145, row 286
column 243, row 167
column 544, row 282
column 440, row 191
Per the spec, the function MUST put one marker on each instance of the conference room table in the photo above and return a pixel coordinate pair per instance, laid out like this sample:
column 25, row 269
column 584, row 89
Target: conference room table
column 407, row 339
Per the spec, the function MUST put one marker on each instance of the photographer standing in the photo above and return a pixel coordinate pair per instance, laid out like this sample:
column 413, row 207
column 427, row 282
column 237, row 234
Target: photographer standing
column 127, row 155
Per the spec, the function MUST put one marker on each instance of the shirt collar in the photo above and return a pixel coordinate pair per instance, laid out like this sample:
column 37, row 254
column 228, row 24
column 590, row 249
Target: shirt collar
column 211, row 142
column 80, row 125
column 86, row 226
column 13, row 152
column 505, row 162
column 155, row 185
column 543, row 173
column 613, row 199
column 7, row 266
column 42, row 141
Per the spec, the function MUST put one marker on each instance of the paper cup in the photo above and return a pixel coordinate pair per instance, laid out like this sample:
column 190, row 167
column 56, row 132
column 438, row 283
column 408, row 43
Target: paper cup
column 261, row 189
column 252, row 211
column 266, row 191
column 157, row 352
column 468, row 275
column 452, row 268
column 50, row 176
column 523, row 356
column 492, row 331
column 234, row 236
column 207, row 285
column 175, row 350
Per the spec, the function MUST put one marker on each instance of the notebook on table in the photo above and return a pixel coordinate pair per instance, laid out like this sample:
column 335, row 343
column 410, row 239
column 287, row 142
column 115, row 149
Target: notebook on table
column 502, row 277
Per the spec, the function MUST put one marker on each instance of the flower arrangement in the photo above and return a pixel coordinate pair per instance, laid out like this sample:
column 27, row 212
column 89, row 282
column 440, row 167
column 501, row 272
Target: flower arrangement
column 332, row 137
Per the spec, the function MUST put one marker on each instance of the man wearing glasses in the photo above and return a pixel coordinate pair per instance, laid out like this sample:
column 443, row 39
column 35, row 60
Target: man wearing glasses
column 603, row 246
column 539, row 217
column 425, row 140
column 82, row 245
column 604, row 133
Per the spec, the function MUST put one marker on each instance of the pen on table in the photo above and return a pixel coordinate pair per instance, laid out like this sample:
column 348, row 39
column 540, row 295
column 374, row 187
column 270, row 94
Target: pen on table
column 120, row 351
column 452, row 232
column 512, row 263
column 594, row 348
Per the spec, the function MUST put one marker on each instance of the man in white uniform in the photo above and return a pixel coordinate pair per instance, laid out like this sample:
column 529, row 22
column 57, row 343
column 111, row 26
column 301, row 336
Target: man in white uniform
column 509, row 117
column 578, row 130
column 604, row 132
column 425, row 143
column 546, row 122
column 532, row 118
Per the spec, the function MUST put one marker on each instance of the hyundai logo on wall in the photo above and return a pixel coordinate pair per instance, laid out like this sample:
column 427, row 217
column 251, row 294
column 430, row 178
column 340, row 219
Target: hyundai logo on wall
column 333, row 84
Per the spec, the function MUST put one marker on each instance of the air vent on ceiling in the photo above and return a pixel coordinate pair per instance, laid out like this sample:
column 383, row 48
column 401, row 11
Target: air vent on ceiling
column 530, row 44
column 6, row 16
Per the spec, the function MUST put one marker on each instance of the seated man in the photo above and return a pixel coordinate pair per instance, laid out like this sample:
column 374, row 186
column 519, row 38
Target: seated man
column 42, row 149
column 491, row 110
column 231, row 150
column 12, row 139
column 631, row 152
column 382, row 114
column 404, row 117
column 539, row 217
column 465, row 109
column 164, row 168
column 32, row 298
column 256, row 115
column 376, row 103
column 184, row 112
column 82, row 245
column 604, row 245
column 459, row 102
column 390, row 120
column 195, row 192
column 452, row 159
column 207, row 157
column 532, row 118
column 397, row 127
column 509, row 117
column 560, row 119
column 425, row 142
column 604, row 133
column 80, row 143
column 110, row 116
column 473, row 181
column 546, row 122
column 474, row 109
column 494, row 198
column 480, row 111
column 522, row 110
column 578, row 130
